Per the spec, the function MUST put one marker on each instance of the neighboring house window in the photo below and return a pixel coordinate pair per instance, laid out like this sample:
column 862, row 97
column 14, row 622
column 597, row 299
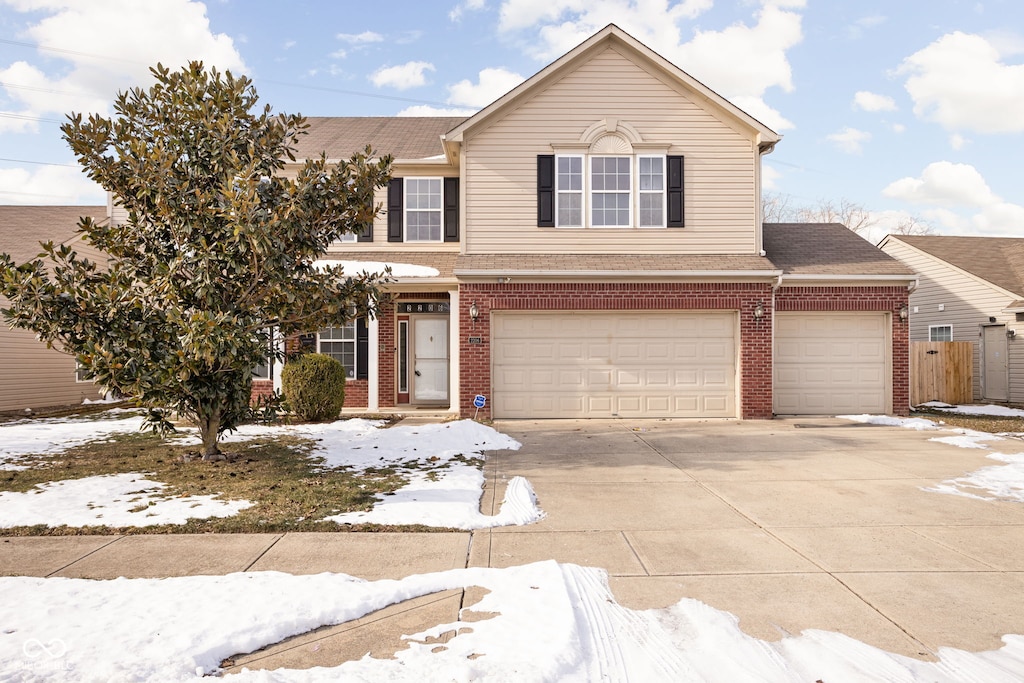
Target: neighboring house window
column 349, row 345
column 80, row 373
column 348, row 237
column 340, row 344
column 615, row 191
column 423, row 210
column 940, row 333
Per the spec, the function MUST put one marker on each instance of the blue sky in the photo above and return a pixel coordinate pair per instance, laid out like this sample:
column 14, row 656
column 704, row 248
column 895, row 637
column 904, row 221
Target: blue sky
column 908, row 108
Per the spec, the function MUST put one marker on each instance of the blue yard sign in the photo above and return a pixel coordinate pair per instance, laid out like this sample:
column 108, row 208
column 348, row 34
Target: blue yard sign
column 480, row 401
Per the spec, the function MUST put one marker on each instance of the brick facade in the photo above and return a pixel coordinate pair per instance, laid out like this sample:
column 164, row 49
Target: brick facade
column 755, row 343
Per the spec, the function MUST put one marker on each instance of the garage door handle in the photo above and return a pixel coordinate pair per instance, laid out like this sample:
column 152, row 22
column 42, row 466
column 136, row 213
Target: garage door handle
column 417, row 373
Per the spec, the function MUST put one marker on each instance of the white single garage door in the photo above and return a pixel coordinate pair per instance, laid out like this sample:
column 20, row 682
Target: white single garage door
column 614, row 364
column 831, row 363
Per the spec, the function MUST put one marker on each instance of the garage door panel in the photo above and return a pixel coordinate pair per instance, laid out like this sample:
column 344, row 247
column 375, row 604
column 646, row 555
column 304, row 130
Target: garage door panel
column 831, row 363
column 631, row 364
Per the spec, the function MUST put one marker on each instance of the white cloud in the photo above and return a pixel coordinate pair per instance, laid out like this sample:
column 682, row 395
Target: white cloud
column 172, row 32
column 741, row 61
column 49, row 185
column 403, row 76
column 957, row 141
column 364, row 38
column 850, row 140
column 945, row 184
column 428, row 110
column 869, row 101
column 769, row 178
column 491, row 84
column 465, row 6
column 855, row 31
column 961, row 82
column 898, row 128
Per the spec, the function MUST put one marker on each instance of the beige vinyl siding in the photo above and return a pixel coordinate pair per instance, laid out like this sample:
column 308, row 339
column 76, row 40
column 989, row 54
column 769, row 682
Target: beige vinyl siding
column 36, row 377
column 967, row 302
column 719, row 169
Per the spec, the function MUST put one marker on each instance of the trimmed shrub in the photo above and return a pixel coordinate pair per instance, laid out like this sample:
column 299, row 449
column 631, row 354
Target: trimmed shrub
column 314, row 386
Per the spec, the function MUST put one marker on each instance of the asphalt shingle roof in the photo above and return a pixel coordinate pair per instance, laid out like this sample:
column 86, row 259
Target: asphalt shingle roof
column 403, row 137
column 826, row 249
column 1000, row 260
column 22, row 228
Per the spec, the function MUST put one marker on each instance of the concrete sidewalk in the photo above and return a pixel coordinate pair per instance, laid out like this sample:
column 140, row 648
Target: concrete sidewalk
column 790, row 525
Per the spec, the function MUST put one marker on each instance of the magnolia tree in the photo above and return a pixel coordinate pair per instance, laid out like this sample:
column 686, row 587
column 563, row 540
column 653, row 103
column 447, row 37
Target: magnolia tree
column 217, row 250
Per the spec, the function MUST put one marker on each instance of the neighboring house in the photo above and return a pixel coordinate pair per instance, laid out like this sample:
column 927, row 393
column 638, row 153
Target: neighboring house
column 591, row 245
column 36, row 377
column 970, row 289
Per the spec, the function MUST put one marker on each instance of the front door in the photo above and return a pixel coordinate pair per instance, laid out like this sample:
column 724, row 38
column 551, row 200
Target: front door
column 430, row 360
column 996, row 381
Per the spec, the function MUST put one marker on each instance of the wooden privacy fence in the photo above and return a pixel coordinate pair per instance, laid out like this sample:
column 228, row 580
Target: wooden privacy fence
column 941, row 371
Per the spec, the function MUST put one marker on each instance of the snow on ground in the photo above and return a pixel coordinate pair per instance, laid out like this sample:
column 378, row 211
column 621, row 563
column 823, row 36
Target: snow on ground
column 443, row 490
column 997, row 411
column 999, row 482
column 112, row 499
column 552, row 622
column 21, row 441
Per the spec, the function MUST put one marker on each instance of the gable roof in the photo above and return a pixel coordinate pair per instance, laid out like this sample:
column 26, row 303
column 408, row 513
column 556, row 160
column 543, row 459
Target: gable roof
column 22, row 228
column 403, row 137
column 613, row 35
column 826, row 249
column 999, row 260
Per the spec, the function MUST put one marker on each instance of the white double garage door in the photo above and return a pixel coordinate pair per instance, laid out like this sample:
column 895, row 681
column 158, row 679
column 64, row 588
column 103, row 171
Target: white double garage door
column 589, row 364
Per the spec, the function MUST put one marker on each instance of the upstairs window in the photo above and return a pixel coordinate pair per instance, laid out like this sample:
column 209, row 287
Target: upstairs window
column 422, row 209
column 610, row 191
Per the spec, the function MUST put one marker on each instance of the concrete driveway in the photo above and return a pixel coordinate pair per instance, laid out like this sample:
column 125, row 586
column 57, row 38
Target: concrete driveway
column 789, row 525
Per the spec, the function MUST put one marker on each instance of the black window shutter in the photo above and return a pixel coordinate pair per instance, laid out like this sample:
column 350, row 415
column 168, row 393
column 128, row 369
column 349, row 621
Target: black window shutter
column 451, row 209
column 395, row 208
column 307, row 343
column 546, row 190
column 362, row 349
column 675, row 191
column 366, row 233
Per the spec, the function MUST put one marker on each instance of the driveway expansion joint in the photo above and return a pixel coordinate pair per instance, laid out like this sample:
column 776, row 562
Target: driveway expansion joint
column 91, row 552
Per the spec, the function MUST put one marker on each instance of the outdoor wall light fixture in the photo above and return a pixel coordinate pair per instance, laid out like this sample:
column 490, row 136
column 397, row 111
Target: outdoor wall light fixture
column 474, row 312
column 1011, row 333
column 904, row 313
column 759, row 311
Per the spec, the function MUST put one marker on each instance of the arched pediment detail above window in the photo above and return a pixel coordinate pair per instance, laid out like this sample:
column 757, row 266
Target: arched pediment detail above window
column 611, row 144
column 611, row 127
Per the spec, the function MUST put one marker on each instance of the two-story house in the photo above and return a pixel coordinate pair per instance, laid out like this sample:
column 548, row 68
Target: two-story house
column 591, row 245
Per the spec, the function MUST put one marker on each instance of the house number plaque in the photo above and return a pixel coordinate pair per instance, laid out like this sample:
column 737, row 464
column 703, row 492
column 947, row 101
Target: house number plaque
column 424, row 307
column 476, row 340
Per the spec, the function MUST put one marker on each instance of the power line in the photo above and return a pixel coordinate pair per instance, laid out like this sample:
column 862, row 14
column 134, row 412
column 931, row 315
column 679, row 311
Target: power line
column 27, row 117
column 40, row 163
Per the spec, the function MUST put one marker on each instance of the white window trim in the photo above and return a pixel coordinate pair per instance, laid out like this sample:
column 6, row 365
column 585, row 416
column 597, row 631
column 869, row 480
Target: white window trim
column 936, row 327
column 664, row 190
column 355, row 347
column 348, row 237
column 405, row 208
column 586, row 221
column 582, row 192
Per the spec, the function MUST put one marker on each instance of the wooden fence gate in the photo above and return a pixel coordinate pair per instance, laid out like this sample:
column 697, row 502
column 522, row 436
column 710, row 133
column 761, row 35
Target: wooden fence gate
column 941, row 371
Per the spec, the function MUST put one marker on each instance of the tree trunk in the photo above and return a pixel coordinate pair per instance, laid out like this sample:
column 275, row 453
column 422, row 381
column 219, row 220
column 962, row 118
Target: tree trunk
column 209, row 425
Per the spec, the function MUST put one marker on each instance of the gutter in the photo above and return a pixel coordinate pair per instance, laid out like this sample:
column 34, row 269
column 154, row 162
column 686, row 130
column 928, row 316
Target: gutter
column 620, row 273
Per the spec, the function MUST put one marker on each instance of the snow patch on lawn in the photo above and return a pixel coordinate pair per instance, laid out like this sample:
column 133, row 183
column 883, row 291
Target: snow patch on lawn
column 552, row 622
column 115, row 500
column 378, row 268
column 21, row 441
column 994, row 410
column 996, row 482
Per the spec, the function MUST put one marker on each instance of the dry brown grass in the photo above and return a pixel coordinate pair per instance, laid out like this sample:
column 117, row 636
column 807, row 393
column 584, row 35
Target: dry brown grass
column 290, row 489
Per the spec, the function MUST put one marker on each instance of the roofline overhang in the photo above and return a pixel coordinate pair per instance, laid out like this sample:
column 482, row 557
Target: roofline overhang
column 422, row 283
column 1014, row 309
column 977, row 278
column 612, row 32
column 674, row 274
column 911, row 281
